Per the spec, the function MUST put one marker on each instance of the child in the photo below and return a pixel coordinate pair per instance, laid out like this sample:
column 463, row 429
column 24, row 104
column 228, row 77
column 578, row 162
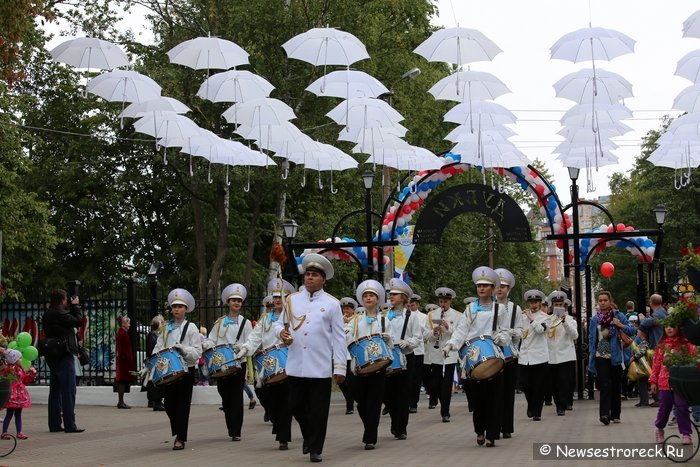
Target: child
column 640, row 348
column 671, row 341
column 19, row 396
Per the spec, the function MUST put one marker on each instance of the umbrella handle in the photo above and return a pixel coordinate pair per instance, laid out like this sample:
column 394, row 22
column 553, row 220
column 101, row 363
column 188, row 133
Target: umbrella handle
column 333, row 191
column 209, row 173
column 165, row 155
column 303, row 180
column 320, row 180
column 191, row 172
column 228, row 182
column 247, row 187
column 285, row 174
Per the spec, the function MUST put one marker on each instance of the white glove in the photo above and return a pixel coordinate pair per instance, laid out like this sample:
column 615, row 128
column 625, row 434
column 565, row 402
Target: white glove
column 236, row 347
column 180, row 348
column 497, row 339
column 206, row 345
column 387, row 337
column 143, row 372
column 447, row 349
column 403, row 344
column 241, row 353
column 513, row 332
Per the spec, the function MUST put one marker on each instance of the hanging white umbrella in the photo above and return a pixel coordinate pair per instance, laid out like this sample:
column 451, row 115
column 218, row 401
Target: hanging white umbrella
column 587, row 114
column 577, row 133
column 689, row 66
column 326, row 46
column 462, row 132
column 161, row 103
column 414, row 158
column 370, row 134
column 166, row 125
column 584, row 158
column 688, row 99
column 590, row 44
column 687, row 126
column 124, row 86
column 234, row 86
column 469, row 85
column 583, row 87
column 258, row 112
column 364, row 107
column 347, row 84
column 90, row 53
column 378, row 142
column 566, row 146
column 267, row 134
column 487, row 112
column 489, row 151
column 691, row 26
column 211, row 53
column 457, row 45
column 322, row 157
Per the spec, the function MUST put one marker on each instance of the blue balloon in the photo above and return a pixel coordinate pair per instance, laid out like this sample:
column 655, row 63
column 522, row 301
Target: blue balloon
column 554, row 188
column 517, row 170
column 298, row 259
column 586, row 242
column 523, row 185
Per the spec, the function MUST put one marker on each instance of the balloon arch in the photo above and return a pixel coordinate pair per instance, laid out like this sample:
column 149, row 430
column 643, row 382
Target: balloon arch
column 395, row 219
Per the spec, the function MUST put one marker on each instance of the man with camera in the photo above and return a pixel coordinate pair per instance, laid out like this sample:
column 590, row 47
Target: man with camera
column 60, row 347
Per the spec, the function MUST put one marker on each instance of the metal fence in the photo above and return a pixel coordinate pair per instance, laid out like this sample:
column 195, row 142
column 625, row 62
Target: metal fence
column 138, row 300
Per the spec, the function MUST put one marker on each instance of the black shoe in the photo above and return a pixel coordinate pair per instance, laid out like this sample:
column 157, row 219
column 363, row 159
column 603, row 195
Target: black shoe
column 305, row 448
column 490, row 443
column 150, row 404
column 252, row 404
column 221, row 408
column 402, row 436
column 369, row 447
column 529, row 414
column 561, row 412
column 432, row 406
column 159, row 408
column 412, row 410
column 55, row 430
column 639, row 404
column 349, row 412
column 122, row 405
column 480, row 441
column 569, row 407
column 75, row 430
column 385, row 410
column 446, row 419
column 315, row 457
column 178, row 445
column 547, row 403
column 235, row 438
column 654, row 404
column 604, row 420
column 283, row 446
column 507, row 435
column 536, row 419
column 266, row 417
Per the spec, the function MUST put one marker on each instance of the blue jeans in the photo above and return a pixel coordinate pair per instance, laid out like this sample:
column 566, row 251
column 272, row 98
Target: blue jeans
column 62, row 393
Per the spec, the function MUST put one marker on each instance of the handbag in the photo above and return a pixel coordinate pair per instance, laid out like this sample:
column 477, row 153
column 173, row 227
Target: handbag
column 52, row 347
column 625, row 339
column 83, row 355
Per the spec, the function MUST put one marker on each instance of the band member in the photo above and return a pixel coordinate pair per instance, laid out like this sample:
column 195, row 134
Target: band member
column 275, row 397
column 427, row 363
column 514, row 324
column 406, row 334
column 368, row 388
column 349, row 306
column 233, row 329
column 562, row 354
column 482, row 319
column 183, row 336
column 416, row 370
column 441, row 325
column 313, row 329
column 534, row 354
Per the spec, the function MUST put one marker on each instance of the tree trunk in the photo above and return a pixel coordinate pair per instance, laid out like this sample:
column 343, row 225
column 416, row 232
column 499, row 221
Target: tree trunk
column 252, row 230
column 217, row 266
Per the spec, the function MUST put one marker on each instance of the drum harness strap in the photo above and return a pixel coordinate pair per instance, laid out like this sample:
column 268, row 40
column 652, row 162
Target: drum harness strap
column 182, row 334
column 405, row 324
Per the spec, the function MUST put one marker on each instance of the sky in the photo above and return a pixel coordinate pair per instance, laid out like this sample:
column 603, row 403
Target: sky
column 525, row 31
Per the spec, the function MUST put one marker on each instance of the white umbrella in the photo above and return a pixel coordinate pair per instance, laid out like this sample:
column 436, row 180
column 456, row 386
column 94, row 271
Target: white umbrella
column 357, row 134
column 584, row 158
column 414, row 158
column 208, row 53
column 687, row 125
column 488, row 112
column 326, row 46
column 380, row 141
column 347, row 84
column 688, row 99
column 691, row 26
column 565, row 147
column 468, row 86
column 457, row 45
column 600, row 114
column 258, row 112
column 166, row 125
column 575, row 133
column 321, row 157
column 364, row 107
column 689, row 66
column 585, row 86
column 461, row 131
column 124, row 86
column 234, row 86
column 89, row 52
column 590, row 44
column 231, row 153
column 263, row 136
column 162, row 103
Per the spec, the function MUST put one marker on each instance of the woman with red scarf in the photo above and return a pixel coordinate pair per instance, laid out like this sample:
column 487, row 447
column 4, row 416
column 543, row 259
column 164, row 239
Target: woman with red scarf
column 605, row 355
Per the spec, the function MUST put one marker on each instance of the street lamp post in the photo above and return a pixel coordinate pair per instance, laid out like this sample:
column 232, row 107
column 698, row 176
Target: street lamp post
column 573, row 175
column 368, row 179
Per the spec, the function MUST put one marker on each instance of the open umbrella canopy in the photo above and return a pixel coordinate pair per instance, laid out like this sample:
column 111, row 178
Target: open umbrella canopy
column 584, row 115
column 457, row 45
column 166, row 125
column 584, row 87
column 469, row 85
column 465, row 132
column 160, row 103
column 689, row 66
column 586, row 158
column 566, row 147
column 380, row 141
column 578, row 133
column 364, row 108
column 124, row 86
column 691, row 26
column 265, row 135
column 208, row 53
column 677, row 155
column 234, row 86
column 89, row 52
column 347, row 84
column 326, row 46
column 687, row 126
column 258, row 112
column 326, row 157
column 592, row 44
column 482, row 111
column 358, row 134
column 491, row 153
column 688, row 99
column 413, row 158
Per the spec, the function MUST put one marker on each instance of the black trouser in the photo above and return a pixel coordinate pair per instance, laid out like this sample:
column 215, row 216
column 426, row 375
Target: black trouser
column 510, row 376
column 369, row 391
column 396, row 400
column 486, row 399
column 231, row 391
column 154, row 394
column 535, row 378
column 609, row 378
column 416, row 375
column 275, row 400
column 347, row 389
column 309, row 400
column 441, row 379
column 425, row 376
column 561, row 378
column 178, row 399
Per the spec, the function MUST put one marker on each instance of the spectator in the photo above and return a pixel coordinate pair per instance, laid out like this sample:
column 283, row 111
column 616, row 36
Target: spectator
column 60, row 322
column 126, row 363
column 653, row 325
column 154, row 394
column 629, row 306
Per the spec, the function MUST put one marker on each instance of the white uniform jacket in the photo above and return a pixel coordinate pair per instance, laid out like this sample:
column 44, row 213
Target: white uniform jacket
column 561, row 339
column 422, row 318
column 434, row 343
column 514, row 315
column 263, row 335
column 414, row 329
column 533, row 348
column 316, row 324
column 191, row 344
column 476, row 322
column 224, row 332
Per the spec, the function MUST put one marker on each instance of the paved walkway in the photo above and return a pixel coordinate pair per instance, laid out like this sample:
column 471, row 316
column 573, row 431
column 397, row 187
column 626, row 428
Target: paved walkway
column 141, row 437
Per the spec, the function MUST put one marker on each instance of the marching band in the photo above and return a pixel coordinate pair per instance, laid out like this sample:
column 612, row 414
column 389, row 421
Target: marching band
column 377, row 353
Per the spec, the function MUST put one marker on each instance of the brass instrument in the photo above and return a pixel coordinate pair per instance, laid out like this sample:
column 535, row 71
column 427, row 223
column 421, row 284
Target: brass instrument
column 552, row 329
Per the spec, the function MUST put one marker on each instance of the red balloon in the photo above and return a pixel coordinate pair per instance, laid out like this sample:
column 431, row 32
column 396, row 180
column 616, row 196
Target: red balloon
column 607, row 269
column 620, row 227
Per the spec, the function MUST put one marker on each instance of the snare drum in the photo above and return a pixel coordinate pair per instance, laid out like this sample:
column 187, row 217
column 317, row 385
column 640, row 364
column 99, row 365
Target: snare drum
column 221, row 361
column 398, row 362
column 166, row 366
column 270, row 364
column 371, row 354
column 508, row 354
column 482, row 359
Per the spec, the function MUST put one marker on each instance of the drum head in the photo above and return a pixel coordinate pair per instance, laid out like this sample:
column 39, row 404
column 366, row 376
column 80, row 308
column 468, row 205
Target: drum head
column 487, row 369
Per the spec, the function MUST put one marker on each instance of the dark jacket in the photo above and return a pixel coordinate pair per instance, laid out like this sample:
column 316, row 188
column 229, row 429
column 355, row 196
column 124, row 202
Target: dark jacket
column 61, row 324
column 151, row 341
